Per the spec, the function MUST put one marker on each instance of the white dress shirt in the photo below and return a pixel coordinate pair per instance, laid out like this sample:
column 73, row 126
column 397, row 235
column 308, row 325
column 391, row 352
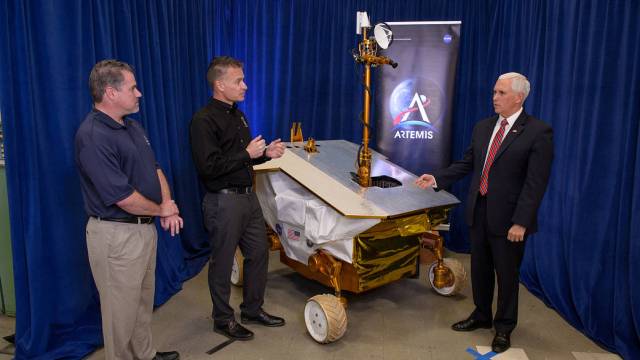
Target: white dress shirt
column 510, row 121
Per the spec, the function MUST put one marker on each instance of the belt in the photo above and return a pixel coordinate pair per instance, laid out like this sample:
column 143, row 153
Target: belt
column 235, row 190
column 128, row 220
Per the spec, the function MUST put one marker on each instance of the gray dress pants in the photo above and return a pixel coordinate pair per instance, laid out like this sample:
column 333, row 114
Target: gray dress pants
column 234, row 220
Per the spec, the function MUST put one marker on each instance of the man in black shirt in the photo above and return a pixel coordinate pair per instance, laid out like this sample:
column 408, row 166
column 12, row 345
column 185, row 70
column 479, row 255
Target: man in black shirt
column 224, row 155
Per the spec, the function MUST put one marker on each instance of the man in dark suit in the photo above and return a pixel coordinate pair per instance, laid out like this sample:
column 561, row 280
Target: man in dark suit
column 510, row 161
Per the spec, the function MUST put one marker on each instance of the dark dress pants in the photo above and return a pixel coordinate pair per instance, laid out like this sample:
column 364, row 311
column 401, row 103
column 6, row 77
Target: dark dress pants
column 234, row 220
column 493, row 255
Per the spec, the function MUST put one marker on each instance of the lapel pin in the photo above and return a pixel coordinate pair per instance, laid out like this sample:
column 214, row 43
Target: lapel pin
column 514, row 131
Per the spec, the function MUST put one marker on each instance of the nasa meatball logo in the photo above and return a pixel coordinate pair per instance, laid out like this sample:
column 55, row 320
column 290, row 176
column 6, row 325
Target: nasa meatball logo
column 416, row 109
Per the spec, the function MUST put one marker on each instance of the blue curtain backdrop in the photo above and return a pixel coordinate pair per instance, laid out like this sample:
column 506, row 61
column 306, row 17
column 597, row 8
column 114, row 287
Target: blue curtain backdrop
column 582, row 58
column 48, row 50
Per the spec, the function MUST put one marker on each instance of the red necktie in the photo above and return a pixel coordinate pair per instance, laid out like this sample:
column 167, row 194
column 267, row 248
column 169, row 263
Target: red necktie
column 495, row 145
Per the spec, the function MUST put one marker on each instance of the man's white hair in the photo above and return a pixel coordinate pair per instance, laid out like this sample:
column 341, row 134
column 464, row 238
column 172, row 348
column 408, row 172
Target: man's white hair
column 519, row 83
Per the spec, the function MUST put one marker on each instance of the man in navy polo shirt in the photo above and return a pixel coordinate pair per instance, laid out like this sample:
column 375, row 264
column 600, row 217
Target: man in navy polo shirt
column 123, row 190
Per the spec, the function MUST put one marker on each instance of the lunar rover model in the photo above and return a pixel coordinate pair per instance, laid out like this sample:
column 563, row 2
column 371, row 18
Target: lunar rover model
column 330, row 229
column 350, row 230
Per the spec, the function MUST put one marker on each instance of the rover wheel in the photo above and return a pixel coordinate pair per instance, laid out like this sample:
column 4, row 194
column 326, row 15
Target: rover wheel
column 325, row 318
column 237, row 269
column 459, row 273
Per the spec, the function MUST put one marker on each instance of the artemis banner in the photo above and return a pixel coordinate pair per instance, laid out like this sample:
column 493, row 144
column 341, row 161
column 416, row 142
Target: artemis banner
column 413, row 102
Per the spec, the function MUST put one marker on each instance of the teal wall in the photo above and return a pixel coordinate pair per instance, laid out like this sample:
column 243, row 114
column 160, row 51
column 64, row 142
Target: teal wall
column 6, row 263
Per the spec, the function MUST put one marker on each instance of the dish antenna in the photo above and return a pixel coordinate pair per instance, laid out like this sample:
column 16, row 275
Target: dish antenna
column 383, row 35
column 367, row 54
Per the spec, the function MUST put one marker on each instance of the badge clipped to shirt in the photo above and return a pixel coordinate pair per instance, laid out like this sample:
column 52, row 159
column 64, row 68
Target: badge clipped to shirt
column 244, row 122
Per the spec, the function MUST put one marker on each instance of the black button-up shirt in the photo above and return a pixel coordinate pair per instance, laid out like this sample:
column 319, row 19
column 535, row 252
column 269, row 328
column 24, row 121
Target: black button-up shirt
column 219, row 138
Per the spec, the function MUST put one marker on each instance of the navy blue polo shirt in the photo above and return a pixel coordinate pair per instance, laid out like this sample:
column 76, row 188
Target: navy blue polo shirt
column 114, row 160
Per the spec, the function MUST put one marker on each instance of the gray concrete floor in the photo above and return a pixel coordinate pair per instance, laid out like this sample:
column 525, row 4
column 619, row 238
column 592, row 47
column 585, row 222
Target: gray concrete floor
column 402, row 320
column 7, row 327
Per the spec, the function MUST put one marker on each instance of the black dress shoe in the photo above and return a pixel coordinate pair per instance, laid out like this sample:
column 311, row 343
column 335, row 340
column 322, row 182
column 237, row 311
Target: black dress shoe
column 501, row 342
column 233, row 330
column 169, row 355
column 263, row 319
column 471, row 324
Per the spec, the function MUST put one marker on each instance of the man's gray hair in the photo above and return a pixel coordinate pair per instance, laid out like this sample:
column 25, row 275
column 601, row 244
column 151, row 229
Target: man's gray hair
column 519, row 83
column 106, row 73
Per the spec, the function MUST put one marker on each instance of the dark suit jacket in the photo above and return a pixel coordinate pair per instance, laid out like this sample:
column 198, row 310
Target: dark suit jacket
column 518, row 176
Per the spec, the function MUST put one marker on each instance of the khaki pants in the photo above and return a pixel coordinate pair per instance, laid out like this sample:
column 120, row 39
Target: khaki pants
column 123, row 263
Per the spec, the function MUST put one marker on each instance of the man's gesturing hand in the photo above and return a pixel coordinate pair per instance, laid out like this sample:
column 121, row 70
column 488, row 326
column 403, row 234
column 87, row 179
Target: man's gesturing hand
column 256, row 147
column 275, row 149
column 425, row 181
